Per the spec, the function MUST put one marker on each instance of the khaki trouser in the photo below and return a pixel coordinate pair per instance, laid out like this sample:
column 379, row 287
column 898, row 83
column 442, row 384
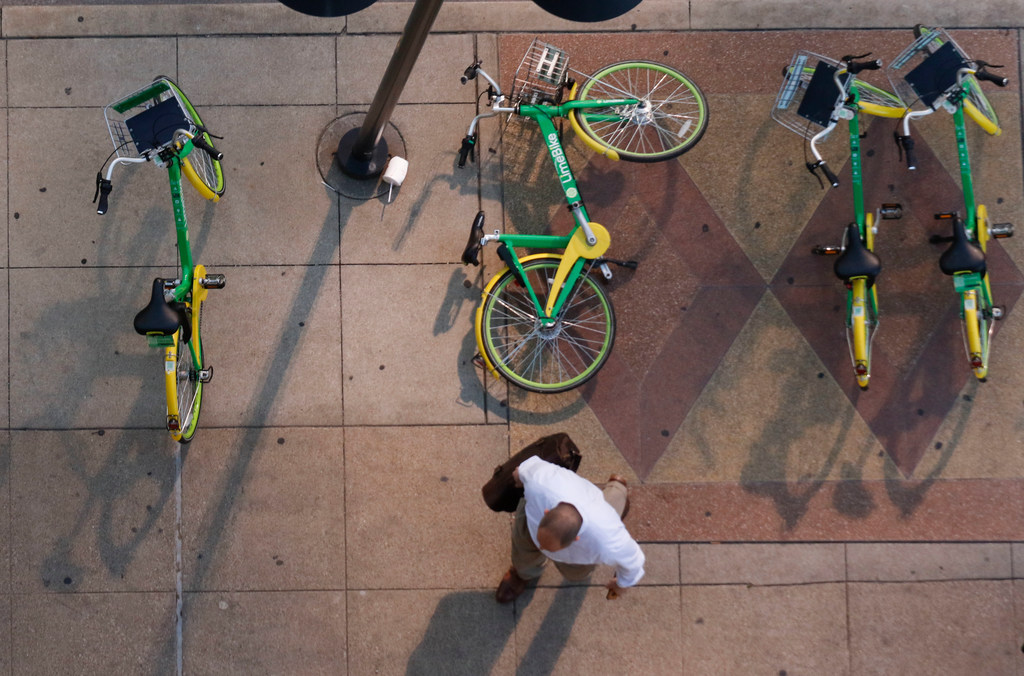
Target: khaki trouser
column 529, row 561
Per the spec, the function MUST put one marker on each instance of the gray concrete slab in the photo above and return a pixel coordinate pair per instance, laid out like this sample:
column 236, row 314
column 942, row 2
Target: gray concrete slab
column 5, row 173
column 84, row 369
column 506, row 15
column 91, row 512
column 871, row 562
column 264, row 509
column 3, row 78
column 791, row 14
column 574, row 630
column 52, row 221
column 293, row 70
column 909, row 627
column 363, row 59
column 401, row 347
column 87, row 72
column 275, row 210
column 5, row 634
column 415, row 516
column 762, row 564
column 284, row 632
column 92, row 633
column 5, row 517
column 430, row 631
column 5, row 413
column 166, row 19
column 1017, row 554
column 791, row 629
column 430, row 215
column 290, row 370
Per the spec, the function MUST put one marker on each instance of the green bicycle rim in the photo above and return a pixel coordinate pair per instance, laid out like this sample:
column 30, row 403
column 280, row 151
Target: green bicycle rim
column 511, row 330
column 684, row 93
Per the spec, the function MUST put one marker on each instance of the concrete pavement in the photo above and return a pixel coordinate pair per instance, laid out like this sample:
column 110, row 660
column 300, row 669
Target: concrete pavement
column 327, row 517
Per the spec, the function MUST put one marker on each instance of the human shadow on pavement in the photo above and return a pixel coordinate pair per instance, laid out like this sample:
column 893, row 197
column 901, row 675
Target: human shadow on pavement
column 469, row 631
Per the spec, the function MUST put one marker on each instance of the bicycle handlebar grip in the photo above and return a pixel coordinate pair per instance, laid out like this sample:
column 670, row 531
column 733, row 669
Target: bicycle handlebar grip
column 103, row 188
column 983, row 74
column 466, row 150
column 855, row 68
column 199, row 142
column 907, row 144
column 832, row 178
column 470, row 73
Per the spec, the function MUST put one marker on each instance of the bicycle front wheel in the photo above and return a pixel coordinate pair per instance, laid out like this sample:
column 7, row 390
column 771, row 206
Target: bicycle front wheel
column 182, row 363
column 670, row 117
column 546, row 357
column 202, row 171
column 878, row 102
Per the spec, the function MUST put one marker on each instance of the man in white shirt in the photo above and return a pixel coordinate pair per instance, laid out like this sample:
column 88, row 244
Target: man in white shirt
column 565, row 518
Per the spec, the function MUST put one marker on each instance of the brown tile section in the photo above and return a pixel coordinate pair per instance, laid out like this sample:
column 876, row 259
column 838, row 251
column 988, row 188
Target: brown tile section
column 965, row 510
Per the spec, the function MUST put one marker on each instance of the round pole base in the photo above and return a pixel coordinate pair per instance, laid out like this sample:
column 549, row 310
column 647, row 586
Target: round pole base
column 358, row 166
column 330, row 156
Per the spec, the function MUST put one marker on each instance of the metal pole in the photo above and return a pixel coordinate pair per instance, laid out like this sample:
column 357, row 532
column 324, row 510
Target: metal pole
column 361, row 152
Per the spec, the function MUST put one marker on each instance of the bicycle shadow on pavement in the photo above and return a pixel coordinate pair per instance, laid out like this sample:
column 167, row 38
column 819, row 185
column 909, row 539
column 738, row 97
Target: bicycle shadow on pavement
column 274, row 376
column 129, row 480
column 464, row 638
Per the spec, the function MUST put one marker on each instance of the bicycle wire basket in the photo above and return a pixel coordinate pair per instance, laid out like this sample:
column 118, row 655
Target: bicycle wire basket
column 541, row 75
column 925, row 73
column 808, row 98
column 145, row 120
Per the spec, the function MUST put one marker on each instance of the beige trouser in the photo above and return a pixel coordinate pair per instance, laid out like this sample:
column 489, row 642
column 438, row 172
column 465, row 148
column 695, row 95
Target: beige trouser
column 529, row 561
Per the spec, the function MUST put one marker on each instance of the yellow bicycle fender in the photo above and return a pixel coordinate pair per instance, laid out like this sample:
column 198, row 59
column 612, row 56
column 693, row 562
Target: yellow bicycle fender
column 575, row 124
column 979, row 118
column 478, row 324
column 575, row 250
column 193, row 178
column 881, row 111
column 171, row 386
column 478, row 329
column 981, row 227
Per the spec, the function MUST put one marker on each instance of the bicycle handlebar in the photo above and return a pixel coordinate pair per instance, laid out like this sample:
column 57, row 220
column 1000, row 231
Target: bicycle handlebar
column 982, row 74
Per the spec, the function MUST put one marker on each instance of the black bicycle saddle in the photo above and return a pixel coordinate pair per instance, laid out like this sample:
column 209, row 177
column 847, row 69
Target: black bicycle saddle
column 159, row 318
column 962, row 255
column 856, row 260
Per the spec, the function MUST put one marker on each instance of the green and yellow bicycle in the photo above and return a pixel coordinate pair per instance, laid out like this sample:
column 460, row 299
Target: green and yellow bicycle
column 545, row 323
column 934, row 74
column 159, row 124
column 816, row 93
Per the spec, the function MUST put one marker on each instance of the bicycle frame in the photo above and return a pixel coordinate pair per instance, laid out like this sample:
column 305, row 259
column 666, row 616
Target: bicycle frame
column 973, row 288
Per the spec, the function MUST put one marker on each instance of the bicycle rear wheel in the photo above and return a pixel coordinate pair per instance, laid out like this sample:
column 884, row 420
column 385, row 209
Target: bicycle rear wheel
column 182, row 363
column 542, row 358
column 671, row 116
column 202, row 171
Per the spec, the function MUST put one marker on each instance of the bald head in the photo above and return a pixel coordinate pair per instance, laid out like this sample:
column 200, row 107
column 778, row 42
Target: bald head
column 559, row 528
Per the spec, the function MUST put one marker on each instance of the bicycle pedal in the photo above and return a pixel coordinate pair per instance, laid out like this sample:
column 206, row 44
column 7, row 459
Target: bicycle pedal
column 890, row 212
column 826, row 250
column 205, row 375
column 946, row 215
column 997, row 312
column 1001, row 230
column 212, row 282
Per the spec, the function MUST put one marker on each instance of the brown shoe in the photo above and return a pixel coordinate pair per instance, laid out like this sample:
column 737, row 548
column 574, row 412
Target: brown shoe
column 616, row 477
column 510, row 587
